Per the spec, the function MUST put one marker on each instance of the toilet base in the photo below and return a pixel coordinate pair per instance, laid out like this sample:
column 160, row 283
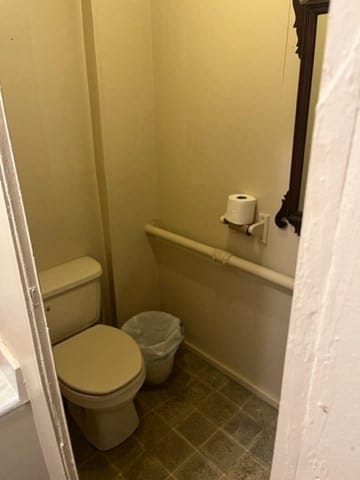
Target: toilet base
column 105, row 428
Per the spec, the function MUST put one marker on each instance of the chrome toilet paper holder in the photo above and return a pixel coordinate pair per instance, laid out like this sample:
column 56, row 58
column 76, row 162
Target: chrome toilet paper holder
column 258, row 229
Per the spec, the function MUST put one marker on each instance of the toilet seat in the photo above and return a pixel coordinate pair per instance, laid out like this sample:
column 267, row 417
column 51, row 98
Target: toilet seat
column 104, row 402
column 99, row 362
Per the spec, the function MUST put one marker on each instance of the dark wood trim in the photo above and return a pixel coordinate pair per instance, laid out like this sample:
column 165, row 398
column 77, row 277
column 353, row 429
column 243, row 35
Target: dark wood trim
column 306, row 26
column 298, row 25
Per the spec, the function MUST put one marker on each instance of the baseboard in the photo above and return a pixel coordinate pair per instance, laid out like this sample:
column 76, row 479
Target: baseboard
column 234, row 375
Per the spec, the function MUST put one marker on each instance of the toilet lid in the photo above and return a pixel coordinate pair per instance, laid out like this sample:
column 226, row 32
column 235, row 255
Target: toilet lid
column 98, row 361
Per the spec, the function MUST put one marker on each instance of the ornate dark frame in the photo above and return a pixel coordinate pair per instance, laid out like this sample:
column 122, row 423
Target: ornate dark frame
column 306, row 14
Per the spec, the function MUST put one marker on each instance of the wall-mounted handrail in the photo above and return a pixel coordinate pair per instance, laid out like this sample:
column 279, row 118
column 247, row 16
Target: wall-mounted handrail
column 224, row 257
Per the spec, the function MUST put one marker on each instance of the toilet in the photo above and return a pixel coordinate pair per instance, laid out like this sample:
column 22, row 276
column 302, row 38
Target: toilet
column 100, row 368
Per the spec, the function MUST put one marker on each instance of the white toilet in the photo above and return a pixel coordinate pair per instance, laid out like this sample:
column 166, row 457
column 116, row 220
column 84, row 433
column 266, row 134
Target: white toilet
column 100, row 368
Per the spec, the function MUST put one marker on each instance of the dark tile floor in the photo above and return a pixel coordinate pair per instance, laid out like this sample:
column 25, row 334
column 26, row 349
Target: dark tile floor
column 199, row 425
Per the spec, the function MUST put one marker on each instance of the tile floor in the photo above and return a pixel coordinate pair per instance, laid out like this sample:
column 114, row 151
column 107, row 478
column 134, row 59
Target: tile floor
column 199, row 425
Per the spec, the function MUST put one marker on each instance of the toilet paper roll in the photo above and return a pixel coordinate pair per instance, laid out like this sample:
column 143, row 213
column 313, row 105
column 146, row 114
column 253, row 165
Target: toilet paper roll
column 240, row 209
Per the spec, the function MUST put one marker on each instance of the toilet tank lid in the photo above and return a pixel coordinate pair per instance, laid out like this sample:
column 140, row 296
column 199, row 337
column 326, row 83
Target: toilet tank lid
column 68, row 275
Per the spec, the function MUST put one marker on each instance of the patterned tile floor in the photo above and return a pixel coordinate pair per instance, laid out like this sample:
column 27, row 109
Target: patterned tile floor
column 199, row 425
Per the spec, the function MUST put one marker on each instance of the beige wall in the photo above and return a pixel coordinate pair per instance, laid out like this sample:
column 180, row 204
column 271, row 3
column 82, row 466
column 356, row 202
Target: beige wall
column 125, row 114
column 220, row 80
column 21, row 456
column 225, row 82
column 43, row 78
column 63, row 107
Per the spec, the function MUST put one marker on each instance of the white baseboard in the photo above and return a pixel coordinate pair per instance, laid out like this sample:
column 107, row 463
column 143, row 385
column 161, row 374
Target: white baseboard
column 234, row 375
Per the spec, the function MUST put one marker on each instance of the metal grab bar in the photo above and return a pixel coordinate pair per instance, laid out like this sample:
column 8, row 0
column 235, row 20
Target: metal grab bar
column 224, row 257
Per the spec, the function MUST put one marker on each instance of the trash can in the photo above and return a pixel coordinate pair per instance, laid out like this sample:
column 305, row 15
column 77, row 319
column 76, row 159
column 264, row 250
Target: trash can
column 158, row 335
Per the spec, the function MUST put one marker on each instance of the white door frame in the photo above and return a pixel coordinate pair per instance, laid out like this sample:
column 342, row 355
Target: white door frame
column 318, row 435
column 23, row 325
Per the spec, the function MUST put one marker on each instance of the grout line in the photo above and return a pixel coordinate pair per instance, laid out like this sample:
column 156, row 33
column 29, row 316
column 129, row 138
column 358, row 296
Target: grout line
column 214, row 389
column 246, row 449
column 219, row 388
column 208, row 460
column 228, row 372
column 78, row 465
column 187, row 459
column 195, row 449
column 195, row 376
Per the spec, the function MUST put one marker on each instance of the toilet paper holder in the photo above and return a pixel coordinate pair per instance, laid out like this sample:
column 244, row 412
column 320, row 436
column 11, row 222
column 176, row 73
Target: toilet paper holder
column 258, row 229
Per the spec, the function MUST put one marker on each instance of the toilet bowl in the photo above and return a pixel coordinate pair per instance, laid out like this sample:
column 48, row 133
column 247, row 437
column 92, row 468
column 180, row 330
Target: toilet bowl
column 100, row 396
column 100, row 368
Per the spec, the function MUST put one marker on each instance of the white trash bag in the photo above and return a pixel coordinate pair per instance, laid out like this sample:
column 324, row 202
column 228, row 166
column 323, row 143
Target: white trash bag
column 158, row 335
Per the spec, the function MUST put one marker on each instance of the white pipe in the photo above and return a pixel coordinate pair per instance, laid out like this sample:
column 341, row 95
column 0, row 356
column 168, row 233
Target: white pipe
column 224, row 257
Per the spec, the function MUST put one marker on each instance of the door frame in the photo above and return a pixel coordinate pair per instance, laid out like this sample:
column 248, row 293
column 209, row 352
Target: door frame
column 318, row 435
column 23, row 324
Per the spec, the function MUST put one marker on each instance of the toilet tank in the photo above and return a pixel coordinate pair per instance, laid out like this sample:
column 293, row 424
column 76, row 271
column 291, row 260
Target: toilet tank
column 72, row 297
